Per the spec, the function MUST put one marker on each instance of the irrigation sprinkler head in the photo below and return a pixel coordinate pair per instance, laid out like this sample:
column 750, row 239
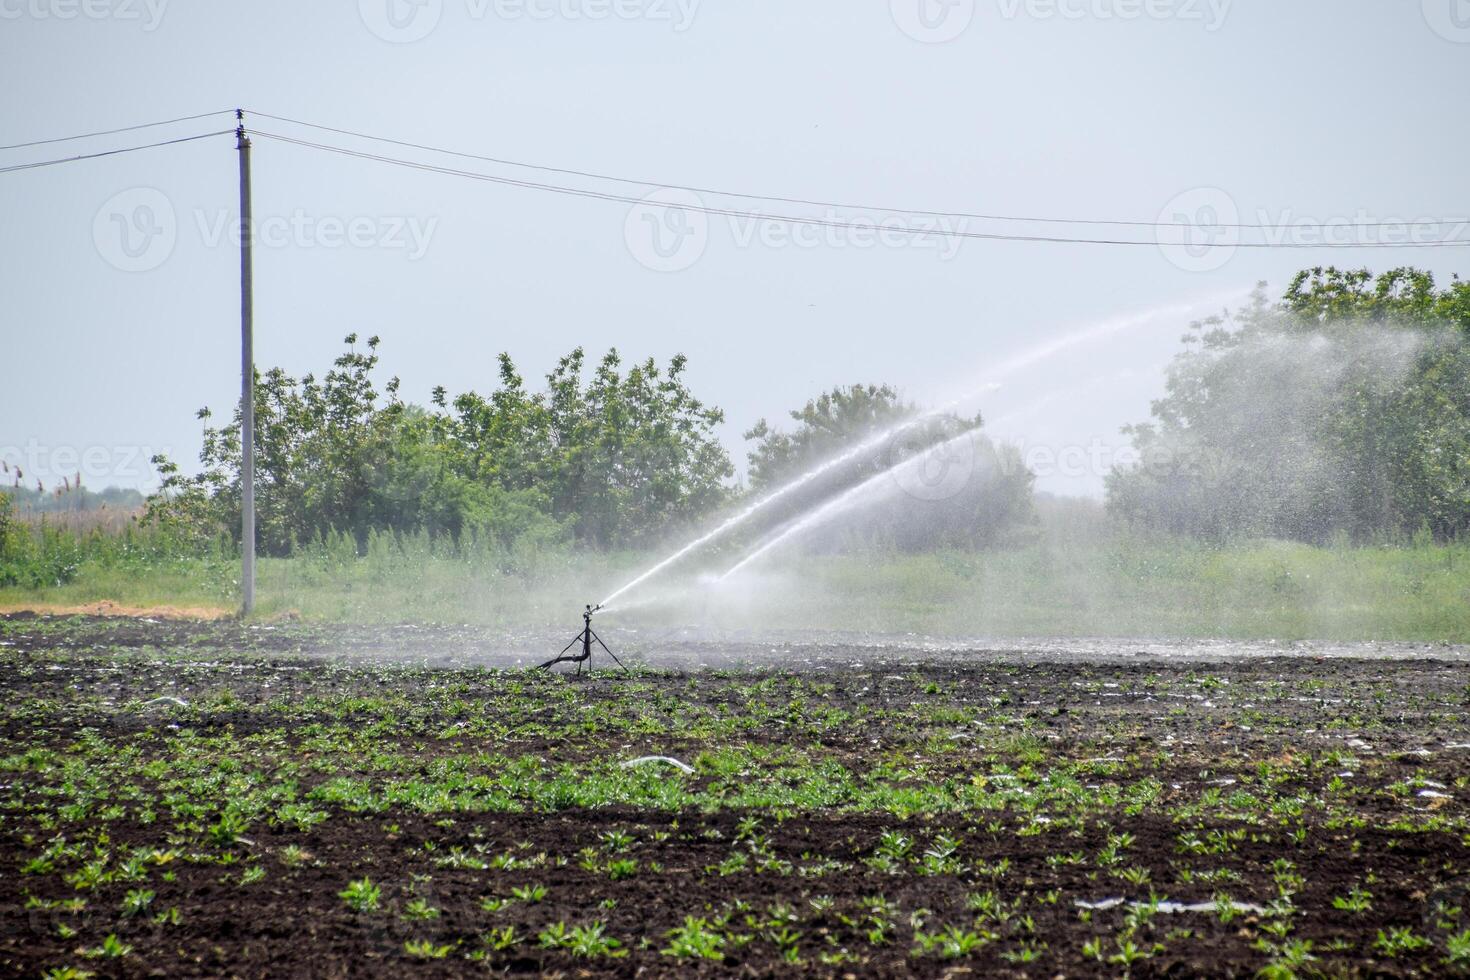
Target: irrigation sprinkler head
column 585, row 639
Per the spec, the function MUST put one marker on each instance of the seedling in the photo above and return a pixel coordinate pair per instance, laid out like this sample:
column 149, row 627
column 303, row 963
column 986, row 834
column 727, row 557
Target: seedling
column 111, row 948
column 1457, row 948
column 587, row 941
column 530, row 894
column 423, row 949
column 500, row 939
column 362, row 895
column 695, row 939
column 1399, row 940
column 622, row 868
column 136, row 902
column 1357, row 901
column 419, row 908
column 950, row 943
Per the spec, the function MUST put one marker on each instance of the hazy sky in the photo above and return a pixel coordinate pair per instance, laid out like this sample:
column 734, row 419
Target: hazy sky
column 119, row 275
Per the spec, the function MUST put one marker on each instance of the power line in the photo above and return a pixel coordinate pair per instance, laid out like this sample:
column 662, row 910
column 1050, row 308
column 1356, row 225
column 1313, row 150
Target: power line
column 709, row 210
column 774, row 199
column 109, row 153
column 821, row 222
column 111, row 132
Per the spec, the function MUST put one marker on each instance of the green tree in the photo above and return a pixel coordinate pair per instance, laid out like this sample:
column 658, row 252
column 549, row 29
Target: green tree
column 616, row 458
column 622, row 455
column 829, row 423
column 323, row 448
column 1342, row 408
column 947, row 484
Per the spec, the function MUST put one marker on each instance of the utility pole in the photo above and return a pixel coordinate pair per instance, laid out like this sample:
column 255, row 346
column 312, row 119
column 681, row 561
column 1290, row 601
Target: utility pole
column 247, row 378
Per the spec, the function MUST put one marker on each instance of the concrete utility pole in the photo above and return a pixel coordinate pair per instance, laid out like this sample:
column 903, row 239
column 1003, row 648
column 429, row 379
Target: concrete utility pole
column 247, row 379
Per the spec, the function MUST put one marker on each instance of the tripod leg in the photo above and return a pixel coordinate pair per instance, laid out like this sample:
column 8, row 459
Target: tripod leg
column 610, row 653
column 559, row 658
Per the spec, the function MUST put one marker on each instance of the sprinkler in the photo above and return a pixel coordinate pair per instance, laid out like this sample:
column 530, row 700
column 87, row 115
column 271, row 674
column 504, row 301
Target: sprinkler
column 585, row 638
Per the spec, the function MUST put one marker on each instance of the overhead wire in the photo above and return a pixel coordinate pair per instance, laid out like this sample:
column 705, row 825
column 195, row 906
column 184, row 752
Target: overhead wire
column 113, row 132
column 810, row 220
column 701, row 207
column 35, row 165
column 776, row 199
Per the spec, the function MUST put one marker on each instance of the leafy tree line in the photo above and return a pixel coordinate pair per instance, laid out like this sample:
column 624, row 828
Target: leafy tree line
column 1341, row 409
column 611, row 460
column 605, row 454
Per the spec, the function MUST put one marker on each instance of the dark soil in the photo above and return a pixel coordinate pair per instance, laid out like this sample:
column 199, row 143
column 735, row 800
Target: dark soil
column 1229, row 743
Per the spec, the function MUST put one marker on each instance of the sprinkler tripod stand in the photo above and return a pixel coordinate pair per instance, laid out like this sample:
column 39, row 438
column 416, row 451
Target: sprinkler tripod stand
column 585, row 638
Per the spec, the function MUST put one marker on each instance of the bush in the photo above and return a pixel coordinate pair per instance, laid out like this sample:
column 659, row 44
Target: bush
column 613, row 459
column 1343, row 409
column 36, row 558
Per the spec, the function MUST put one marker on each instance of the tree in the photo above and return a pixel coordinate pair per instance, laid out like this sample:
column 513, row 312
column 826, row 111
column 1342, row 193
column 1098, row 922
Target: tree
column 623, row 456
column 323, row 448
column 615, row 459
column 940, row 481
column 826, row 425
column 1343, row 408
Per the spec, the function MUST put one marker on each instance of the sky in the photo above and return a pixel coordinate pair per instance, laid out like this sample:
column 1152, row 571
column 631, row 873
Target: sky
column 120, row 275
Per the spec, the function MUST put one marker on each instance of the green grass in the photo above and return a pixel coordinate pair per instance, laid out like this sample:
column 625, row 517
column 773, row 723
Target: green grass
column 1076, row 575
column 1124, row 588
column 195, row 583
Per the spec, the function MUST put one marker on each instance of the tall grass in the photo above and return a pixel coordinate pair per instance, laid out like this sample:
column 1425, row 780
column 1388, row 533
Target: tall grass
column 1077, row 574
column 1130, row 588
column 44, row 557
column 417, row 578
column 113, row 521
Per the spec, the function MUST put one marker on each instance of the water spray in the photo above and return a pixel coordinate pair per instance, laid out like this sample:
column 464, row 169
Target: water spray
column 839, row 503
column 863, row 448
column 1028, row 358
column 585, row 638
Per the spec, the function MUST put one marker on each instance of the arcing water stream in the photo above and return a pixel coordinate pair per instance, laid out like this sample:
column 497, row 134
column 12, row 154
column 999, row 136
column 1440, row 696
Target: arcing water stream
column 845, row 500
column 866, row 446
column 1011, row 366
